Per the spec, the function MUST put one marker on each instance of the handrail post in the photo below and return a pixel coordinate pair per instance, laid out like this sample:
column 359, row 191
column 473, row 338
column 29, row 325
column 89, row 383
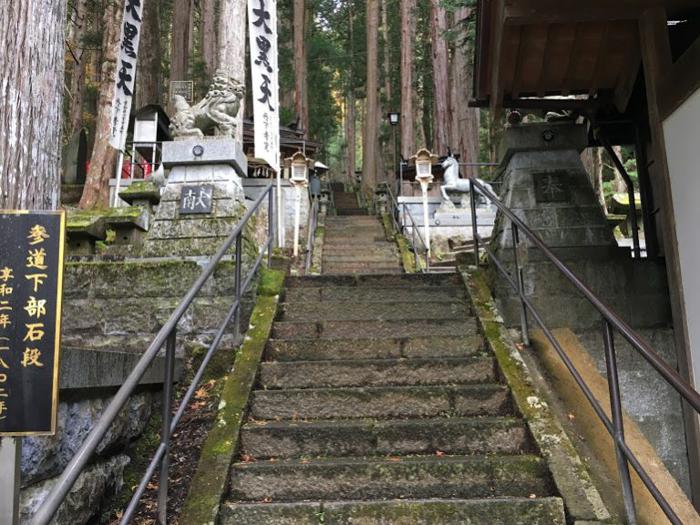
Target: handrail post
column 616, row 411
column 237, row 289
column 475, row 228
column 521, row 284
column 168, row 378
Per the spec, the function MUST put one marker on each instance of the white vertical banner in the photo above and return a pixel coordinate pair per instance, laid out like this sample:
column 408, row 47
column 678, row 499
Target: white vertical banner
column 125, row 73
column 262, row 23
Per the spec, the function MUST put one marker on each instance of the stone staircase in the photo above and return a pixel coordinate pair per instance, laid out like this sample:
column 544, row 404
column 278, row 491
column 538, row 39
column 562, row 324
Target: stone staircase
column 346, row 202
column 357, row 245
column 377, row 403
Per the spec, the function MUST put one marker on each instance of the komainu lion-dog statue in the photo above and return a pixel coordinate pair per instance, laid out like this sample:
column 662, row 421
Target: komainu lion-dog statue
column 217, row 111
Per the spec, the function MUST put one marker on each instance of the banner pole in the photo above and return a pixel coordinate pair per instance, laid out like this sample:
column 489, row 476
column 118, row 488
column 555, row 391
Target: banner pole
column 280, row 211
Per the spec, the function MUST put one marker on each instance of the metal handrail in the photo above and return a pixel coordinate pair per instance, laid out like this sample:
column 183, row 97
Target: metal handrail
column 311, row 234
column 167, row 336
column 415, row 231
column 611, row 322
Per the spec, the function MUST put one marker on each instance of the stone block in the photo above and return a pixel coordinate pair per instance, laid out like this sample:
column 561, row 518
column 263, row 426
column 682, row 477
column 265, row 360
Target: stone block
column 213, row 151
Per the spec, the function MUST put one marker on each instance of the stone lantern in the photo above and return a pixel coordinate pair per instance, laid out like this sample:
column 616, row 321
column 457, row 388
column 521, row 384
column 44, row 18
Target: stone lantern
column 424, row 160
column 298, row 165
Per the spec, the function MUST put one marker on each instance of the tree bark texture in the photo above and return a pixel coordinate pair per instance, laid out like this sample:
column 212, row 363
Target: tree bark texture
column 148, row 75
column 180, row 39
column 441, row 129
column 465, row 120
column 370, row 149
column 78, row 55
column 301, row 91
column 232, row 38
column 350, row 133
column 209, row 36
column 408, row 91
column 31, row 96
column 102, row 161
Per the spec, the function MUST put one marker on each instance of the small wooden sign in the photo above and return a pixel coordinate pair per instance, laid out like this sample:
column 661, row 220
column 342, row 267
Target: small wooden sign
column 184, row 88
column 196, row 199
column 31, row 288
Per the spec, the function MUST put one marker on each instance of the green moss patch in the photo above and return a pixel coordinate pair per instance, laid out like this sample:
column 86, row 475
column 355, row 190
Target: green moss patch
column 582, row 500
column 208, row 485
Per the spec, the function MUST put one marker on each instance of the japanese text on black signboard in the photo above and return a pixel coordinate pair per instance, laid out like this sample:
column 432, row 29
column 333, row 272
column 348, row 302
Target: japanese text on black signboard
column 31, row 261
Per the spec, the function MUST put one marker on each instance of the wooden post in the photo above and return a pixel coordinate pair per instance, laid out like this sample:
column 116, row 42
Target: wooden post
column 657, row 60
column 10, row 453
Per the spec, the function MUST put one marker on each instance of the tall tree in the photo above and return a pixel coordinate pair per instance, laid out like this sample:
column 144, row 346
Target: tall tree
column 103, row 159
column 232, row 45
column 208, row 36
column 180, row 39
column 438, row 26
column 31, row 73
column 148, row 76
column 408, row 92
column 370, row 144
column 301, row 87
column 31, row 96
column 465, row 120
column 76, row 48
column 350, row 134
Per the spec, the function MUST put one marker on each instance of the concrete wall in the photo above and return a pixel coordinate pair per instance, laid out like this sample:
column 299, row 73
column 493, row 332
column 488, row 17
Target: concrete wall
column 683, row 152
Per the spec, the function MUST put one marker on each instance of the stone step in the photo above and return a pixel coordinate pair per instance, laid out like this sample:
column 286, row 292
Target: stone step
column 357, row 219
column 381, row 402
column 366, row 348
column 452, row 436
column 329, row 257
column 487, row 511
column 373, row 329
column 347, row 311
column 351, row 270
column 366, row 248
column 377, row 372
column 331, row 241
column 377, row 281
column 408, row 477
column 355, row 225
column 432, row 294
column 351, row 211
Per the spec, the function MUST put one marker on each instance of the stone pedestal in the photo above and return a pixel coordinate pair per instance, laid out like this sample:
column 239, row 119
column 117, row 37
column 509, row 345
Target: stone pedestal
column 206, row 174
column 546, row 185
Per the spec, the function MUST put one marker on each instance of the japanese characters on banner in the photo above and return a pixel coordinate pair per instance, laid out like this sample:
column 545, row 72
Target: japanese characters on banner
column 125, row 74
column 31, row 276
column 262, row 19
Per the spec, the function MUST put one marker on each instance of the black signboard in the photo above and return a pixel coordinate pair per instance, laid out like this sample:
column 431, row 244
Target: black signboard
column 196, row 199
column 552, row 187
column 31, row 283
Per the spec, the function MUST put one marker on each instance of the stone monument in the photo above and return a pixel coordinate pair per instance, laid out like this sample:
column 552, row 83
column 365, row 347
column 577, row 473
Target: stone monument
column 203, row 197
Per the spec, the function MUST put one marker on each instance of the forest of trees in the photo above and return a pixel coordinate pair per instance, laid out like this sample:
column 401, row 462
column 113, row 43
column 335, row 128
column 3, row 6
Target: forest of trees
column 344, row 64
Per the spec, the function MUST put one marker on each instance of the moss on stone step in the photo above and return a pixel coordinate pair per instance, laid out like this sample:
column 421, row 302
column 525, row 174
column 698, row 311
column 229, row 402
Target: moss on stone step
column 209, row 482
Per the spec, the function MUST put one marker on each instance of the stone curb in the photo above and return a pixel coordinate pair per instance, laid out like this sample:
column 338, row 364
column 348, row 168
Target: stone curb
column 210, row 482
column 581, row 498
